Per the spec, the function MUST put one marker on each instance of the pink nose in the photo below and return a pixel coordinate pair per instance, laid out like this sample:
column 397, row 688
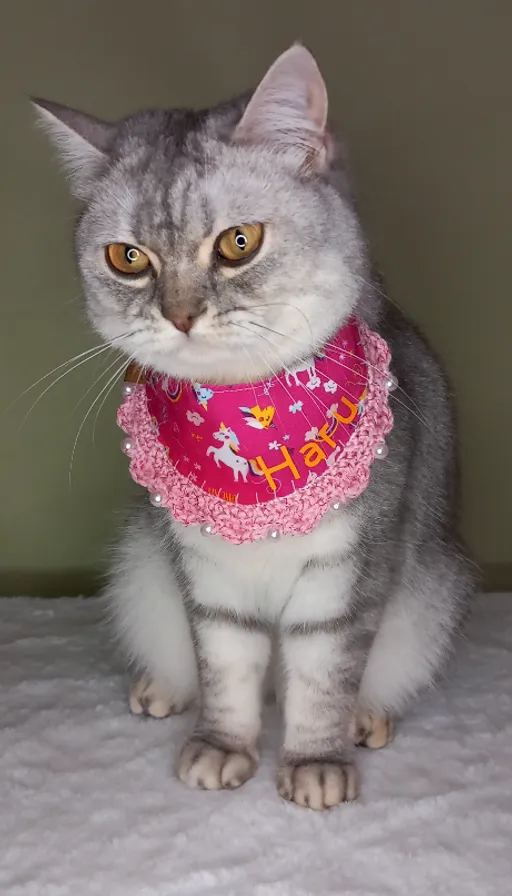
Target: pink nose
column 182, row 322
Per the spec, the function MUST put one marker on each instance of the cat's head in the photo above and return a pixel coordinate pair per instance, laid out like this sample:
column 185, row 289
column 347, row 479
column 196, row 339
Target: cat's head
column 215, row 245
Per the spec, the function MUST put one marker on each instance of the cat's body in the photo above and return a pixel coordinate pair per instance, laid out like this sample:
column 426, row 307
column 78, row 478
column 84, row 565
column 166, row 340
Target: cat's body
column 361, row 611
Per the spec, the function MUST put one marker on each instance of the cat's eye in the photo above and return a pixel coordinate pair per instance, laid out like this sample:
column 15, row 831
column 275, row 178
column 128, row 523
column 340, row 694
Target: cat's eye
column 127, row 259
column 238, row 244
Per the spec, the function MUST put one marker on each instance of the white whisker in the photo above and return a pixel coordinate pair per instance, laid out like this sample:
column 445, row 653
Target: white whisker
column 112, row 379
column 319, row 372
column 274, row 372
column 287, row 305
column 419, row 416
column 88, row 355
column 372, row 366
column 102, row 404
column 54, row 383
column 379, row 291
column 95, row 382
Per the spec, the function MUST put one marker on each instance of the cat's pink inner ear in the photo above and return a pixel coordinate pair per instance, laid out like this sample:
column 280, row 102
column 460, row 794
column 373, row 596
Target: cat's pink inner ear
column 289, row 109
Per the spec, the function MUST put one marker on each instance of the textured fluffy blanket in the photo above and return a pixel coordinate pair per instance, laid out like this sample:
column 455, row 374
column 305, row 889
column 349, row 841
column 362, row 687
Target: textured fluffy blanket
column 89, row 803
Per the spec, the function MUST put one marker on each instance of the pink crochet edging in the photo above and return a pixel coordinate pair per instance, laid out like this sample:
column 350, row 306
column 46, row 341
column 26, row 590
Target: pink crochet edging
column 295, row 514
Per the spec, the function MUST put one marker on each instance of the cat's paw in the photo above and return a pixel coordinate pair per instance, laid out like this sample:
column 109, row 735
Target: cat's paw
column 149, row 698
column 206, row 767
column 318, row 785
column 373, row 731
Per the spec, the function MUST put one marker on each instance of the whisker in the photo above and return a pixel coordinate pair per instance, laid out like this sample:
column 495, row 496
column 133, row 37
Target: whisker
column 93, row 352
column 419, row 415
column 274, row 373
column 106, row 398
column 91, row 407
column 429, row 508
column 287, row 305
column 318, row 401
column 318, row 372
column 52, row 384
column 255, row 397
column 364, row 361
column 252, row 385
column 377, row 289
column 96, row 381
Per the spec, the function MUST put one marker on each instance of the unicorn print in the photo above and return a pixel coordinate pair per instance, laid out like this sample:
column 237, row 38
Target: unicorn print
column 307, row 366
column 227, row 454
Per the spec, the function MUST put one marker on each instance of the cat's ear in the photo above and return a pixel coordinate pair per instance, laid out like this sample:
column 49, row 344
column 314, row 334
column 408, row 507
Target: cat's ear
column 288, row 110
column 82, row 142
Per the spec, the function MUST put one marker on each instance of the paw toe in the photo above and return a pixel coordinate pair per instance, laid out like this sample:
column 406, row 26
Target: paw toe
column 318, row 785
column 148, row 698
column 203, row 766
column 374, row 731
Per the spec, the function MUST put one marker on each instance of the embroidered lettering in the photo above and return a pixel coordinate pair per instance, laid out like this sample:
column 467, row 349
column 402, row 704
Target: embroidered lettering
column 267, row 471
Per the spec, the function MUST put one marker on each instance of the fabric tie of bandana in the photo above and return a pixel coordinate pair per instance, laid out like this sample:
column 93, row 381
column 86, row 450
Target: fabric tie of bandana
column 272, row 457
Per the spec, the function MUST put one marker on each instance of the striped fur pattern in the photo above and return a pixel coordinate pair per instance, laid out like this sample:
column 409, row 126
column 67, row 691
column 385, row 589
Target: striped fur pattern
column 355, row 619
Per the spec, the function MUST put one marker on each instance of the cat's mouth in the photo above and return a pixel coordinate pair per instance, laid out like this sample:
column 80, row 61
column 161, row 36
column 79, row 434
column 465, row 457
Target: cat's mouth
column 199, row 357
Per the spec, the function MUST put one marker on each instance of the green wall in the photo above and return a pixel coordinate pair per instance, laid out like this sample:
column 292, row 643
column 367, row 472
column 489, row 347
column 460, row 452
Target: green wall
column 422, row 93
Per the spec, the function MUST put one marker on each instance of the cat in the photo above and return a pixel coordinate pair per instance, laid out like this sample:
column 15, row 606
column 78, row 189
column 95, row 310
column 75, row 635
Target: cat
column 258, row 418
column 363, row 610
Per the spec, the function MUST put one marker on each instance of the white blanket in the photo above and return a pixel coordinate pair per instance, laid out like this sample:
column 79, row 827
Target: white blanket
column 89, row 803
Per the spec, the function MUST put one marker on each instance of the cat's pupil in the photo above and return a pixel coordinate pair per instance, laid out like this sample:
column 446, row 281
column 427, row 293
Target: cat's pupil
column 240, row 240
column 131, row 255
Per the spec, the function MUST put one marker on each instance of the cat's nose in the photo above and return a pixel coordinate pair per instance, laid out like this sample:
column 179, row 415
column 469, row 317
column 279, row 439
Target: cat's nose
column 182, row 322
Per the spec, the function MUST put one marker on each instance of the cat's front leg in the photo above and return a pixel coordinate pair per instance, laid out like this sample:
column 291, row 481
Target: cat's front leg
column 323, row 665
column 233, row 655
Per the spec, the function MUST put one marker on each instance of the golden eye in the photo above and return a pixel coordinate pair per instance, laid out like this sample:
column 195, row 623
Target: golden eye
column 238, row 244
column 127, row 259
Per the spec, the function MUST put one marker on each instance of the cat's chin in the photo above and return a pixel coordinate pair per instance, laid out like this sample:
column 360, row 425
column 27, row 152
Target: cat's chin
column 198, row 364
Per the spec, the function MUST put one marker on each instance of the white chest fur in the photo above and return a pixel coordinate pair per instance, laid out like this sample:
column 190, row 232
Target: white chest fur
column 259, row 578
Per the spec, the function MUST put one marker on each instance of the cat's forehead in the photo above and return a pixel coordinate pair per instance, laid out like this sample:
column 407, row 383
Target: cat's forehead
column 198, row 188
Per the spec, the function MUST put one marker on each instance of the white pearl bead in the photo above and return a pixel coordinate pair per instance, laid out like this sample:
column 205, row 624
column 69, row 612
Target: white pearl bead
column 127, row 446
column 381, row 451
column 207, row 529
column 156, row 499
column 273, row 534
column 391, row 383
column 127, row 390
column 336, row 505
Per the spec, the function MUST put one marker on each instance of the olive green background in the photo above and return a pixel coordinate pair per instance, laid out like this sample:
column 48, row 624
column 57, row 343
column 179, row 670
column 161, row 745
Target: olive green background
column 421, row 90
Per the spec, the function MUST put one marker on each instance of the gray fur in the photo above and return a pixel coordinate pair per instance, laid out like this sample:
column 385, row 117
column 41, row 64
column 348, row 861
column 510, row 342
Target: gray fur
column 168, row 181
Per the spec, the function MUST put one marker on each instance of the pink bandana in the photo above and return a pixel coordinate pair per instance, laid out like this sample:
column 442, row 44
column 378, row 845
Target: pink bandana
column 252, row 460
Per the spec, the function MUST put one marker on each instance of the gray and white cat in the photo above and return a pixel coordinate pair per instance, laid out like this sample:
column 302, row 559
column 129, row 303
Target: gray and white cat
column 361, row 613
